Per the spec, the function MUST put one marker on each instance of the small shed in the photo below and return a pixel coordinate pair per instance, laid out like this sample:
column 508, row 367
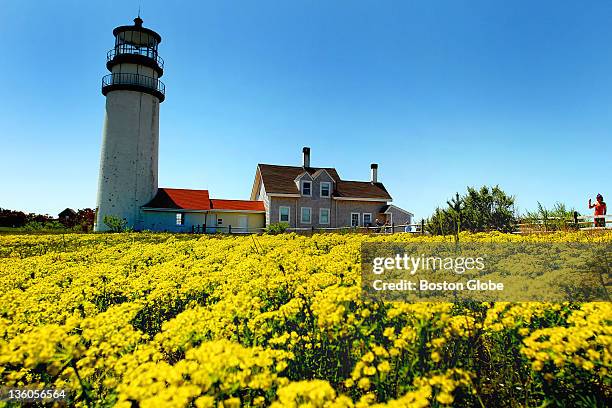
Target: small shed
column 67, row 217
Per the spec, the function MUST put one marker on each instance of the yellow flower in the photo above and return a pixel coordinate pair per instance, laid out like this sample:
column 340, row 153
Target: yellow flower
column 435, row 357
column 368, row 357
column 445, row 398
column 364, row 383
column 369, row 370
column 588, row 365
column 384, row 367
column 231, row 403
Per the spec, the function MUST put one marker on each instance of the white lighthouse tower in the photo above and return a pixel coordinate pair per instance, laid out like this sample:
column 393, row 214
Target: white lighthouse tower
column 130, row 137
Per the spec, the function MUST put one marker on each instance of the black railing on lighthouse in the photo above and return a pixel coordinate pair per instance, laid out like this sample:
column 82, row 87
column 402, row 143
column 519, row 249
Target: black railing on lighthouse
column 134, row 50
column 137, row 80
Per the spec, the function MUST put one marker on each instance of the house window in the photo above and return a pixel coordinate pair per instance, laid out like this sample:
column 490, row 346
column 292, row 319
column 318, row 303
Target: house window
column 219, row 221
column 283, row 214
column 325, row 189
column 324, row 216
column 367, row 219
column 306, row 217
column 180, row 219
column 307, row 188
column 354, row 219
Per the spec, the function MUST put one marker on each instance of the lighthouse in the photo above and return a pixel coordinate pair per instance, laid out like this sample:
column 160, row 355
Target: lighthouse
column 130, row 135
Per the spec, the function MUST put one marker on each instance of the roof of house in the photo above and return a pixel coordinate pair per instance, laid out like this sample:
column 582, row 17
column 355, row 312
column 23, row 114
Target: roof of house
column 361, row 189
column 386, row 208
column 240, row 205
column 180, row 198
column 281, row 180
column 67, row 211
column 185, row 199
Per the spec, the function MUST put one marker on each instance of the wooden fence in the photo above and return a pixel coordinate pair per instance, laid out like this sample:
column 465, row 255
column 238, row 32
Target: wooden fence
column 577, row 222
column 383, row 229
column 544, row 225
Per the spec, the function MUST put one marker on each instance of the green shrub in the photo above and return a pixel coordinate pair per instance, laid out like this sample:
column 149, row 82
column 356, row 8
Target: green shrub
column 559, row 218
column 54, row 225
column 33, row 226
column 277, row 228
column 115, row 224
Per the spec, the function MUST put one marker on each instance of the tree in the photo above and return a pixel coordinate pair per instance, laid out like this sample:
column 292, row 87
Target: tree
column 85, row 219
column 489, row 209
column 455, row 211
column 485, row 209
column 440, row 223
column 11, row 218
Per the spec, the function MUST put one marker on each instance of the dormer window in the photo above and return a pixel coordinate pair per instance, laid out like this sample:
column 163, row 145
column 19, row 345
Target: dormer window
column 325, row 189
column 307, row 188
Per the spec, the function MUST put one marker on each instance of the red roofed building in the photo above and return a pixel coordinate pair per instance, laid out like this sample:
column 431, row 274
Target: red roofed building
column 184, row 210
column 238, row 205
column 180, row 199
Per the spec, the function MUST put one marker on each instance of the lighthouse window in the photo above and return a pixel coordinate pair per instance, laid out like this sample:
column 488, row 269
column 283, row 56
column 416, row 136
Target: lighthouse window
column 180, row 219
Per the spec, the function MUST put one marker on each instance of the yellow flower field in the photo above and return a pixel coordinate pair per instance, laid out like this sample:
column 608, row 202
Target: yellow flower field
column 161, row 320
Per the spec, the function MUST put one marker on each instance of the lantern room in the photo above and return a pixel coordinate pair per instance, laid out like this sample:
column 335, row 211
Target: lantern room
column 134, row 61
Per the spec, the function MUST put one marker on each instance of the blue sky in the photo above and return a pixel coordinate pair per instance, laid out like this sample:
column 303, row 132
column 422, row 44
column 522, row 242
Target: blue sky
column 442, row 94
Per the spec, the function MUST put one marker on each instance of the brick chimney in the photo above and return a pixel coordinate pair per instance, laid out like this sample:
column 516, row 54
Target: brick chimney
column 306, row 157
column 374, row 168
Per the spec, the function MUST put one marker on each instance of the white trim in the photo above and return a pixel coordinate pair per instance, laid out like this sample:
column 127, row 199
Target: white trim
column 317, row 173
column 358, row 219
column 302, row 215
column 180, row 215
column 221, row 210
column 212, row 210
column 321, row 189
column 302, row 182
column 283, row 195
column 378, row 200
column 328, row 216
column 256, row 183
column 260, row 193
column 363, row 218
column 399, row 209
column 173, row 210
column 299, row 177
column 288, row 213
